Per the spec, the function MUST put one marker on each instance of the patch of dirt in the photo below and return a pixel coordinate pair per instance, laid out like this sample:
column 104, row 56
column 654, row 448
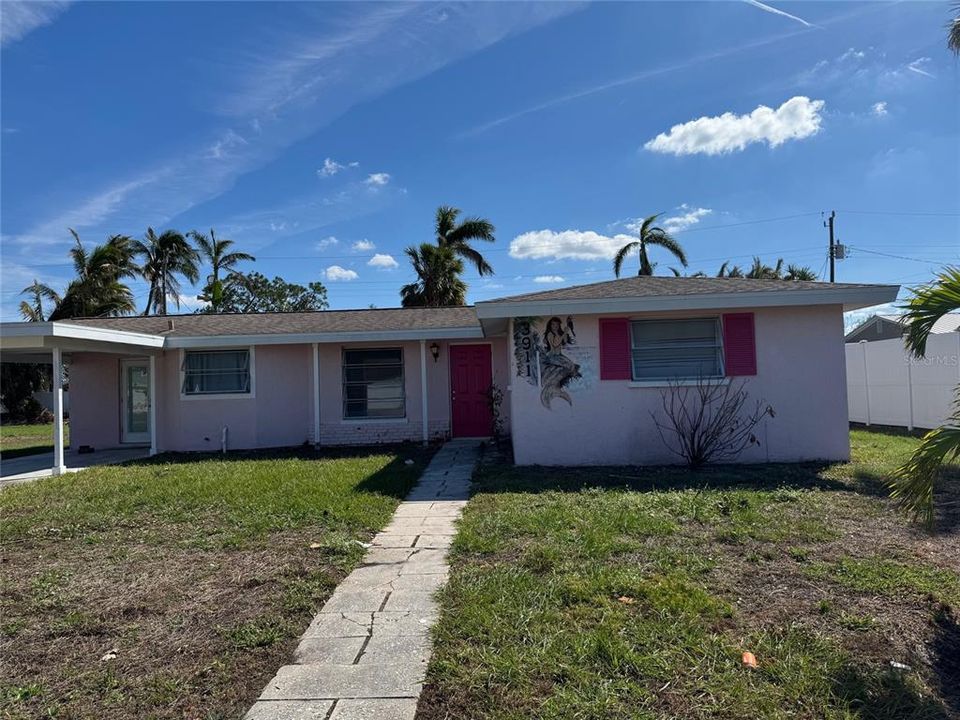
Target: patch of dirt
column 125, row 630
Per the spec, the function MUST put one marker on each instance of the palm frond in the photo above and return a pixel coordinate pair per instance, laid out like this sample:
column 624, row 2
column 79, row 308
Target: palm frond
column 930, row 303
column 953, row 32
column 913, row 485
column 622, row 255
column 474, row 228
column 661, row 238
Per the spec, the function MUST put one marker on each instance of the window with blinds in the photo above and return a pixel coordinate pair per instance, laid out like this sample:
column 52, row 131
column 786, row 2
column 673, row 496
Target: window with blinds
column 373, row 383
column 676, row 349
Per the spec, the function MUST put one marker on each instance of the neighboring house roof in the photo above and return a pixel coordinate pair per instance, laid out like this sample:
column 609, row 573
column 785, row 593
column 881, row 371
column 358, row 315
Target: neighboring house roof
column 647, row 293
column 885, row 327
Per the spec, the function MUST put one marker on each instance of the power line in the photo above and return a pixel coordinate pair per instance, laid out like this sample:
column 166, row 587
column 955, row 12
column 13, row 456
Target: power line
column 898, row 257
column 902, row 212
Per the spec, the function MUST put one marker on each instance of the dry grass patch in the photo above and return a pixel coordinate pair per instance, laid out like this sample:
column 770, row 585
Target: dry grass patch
column 175, row 588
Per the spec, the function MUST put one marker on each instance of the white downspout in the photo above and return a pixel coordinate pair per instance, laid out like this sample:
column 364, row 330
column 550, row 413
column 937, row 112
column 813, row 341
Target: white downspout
column 153, row 404
column 423, row 392
column 223, row 439
column 316, row 394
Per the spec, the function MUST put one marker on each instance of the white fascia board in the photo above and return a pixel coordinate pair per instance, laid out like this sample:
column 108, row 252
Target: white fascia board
column 849, row 298
column 463, row 333
column 47, row 331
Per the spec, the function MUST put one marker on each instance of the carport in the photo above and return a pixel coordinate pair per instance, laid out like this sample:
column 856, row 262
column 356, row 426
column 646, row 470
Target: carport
column 54, row 342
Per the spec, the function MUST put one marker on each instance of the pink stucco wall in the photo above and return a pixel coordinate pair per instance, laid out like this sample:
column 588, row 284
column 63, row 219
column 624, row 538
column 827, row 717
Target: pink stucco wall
column 279, row 412
column 95, row 400
column 800, row 373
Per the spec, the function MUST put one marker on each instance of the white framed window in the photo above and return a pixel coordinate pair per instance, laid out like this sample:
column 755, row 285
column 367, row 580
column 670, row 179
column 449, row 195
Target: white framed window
column 206, row 373
column 373, row 384
column 684, row 349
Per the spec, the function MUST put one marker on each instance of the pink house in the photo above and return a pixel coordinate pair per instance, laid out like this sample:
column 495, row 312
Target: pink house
column 579, row 371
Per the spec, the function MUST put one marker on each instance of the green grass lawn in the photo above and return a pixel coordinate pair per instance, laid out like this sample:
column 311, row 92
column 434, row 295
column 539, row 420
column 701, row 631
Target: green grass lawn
column 175, row 588
column 18, row 440
column 632, row 593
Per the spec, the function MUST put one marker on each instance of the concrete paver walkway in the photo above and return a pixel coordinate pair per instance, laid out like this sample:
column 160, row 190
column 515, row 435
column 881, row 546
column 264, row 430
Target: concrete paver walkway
column 365, row 653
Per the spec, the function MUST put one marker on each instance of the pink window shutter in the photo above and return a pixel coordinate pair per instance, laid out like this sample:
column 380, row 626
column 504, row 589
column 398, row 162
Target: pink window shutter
column 739, row 344
column 615, row 349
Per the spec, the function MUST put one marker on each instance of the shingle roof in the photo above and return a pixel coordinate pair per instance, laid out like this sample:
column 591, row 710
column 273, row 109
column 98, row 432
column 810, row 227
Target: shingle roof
column 326, row 321
column 648, row 286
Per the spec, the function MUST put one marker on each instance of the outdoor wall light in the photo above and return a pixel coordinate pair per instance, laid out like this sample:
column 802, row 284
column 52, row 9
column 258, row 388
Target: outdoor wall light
column 435, row 351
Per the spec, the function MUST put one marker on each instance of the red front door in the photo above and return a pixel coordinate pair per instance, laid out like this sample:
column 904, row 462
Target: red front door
column 470, row 379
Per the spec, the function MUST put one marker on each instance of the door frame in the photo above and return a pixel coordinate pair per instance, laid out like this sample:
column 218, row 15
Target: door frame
column 450, row 373
column 127, row 438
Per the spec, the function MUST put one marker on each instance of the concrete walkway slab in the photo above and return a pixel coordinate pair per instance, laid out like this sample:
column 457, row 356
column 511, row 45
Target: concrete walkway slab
column 364, row 656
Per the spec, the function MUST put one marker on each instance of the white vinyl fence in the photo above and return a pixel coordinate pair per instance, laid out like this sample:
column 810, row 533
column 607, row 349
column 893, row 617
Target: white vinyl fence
column 886, row 386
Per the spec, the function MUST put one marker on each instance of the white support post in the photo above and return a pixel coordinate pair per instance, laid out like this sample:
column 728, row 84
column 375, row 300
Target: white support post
column 423, row 391
column 153, row 404
column 58, row 465
column 316, row 394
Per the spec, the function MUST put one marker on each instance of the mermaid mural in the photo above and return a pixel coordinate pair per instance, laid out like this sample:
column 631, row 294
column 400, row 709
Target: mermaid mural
column 544, row 360
column 556, row 369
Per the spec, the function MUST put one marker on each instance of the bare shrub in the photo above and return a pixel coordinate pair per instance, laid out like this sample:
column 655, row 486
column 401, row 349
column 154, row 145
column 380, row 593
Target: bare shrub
column 708, row 421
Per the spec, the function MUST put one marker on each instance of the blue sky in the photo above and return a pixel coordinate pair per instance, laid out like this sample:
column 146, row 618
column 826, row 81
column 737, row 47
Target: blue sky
column 321, row 137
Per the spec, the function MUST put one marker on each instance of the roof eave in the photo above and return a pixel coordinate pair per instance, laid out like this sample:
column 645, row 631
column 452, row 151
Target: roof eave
column 452, row 333
column 849, row 298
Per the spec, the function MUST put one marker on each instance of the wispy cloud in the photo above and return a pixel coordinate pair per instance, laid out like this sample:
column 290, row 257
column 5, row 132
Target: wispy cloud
column 919, row 66
column 797, row 118
column 20, row 17
column 687, row 218
column 326, row 242
column 548, row 279
column 281, row 95
column 331, row 167
column 867, row 67
column 879, row 109
column 377, row 179
column 781, row 13
column 363, row 246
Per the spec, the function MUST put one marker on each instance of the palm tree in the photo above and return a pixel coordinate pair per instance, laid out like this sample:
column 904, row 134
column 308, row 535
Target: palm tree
column 953, row 33
column 760, row 271
column 798, row 272
column 216, row 252
column 648, row 235
column 438, row 282
column 98, row 289
column 457, row 236
column 32, row 310
column 913, row 484
column 165, row 256
column 726, row 270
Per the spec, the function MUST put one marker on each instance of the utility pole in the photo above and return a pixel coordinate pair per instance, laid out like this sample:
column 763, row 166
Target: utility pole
column 833, row 253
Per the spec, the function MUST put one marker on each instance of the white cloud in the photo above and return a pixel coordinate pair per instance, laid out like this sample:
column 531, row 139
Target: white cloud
column 330, row 168
column 775, row 11
column 918, row 66
column 382, row 261
column 224, row 146
column 798, row 118
column 547, row 279
column 879, row 109
column 363, row 246
column 327, row 242
column 18, row 19
column 377, row 179
column 688, row 217
column 335, row 273
column 566, row 244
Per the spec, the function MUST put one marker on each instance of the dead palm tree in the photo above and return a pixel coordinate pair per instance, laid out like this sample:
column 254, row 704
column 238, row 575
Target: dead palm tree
column 165, row 256
column 457, row 236
column 648, row 235
column 32, row 310
column 217, row 253
column 438, row 281
column 913, row 484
